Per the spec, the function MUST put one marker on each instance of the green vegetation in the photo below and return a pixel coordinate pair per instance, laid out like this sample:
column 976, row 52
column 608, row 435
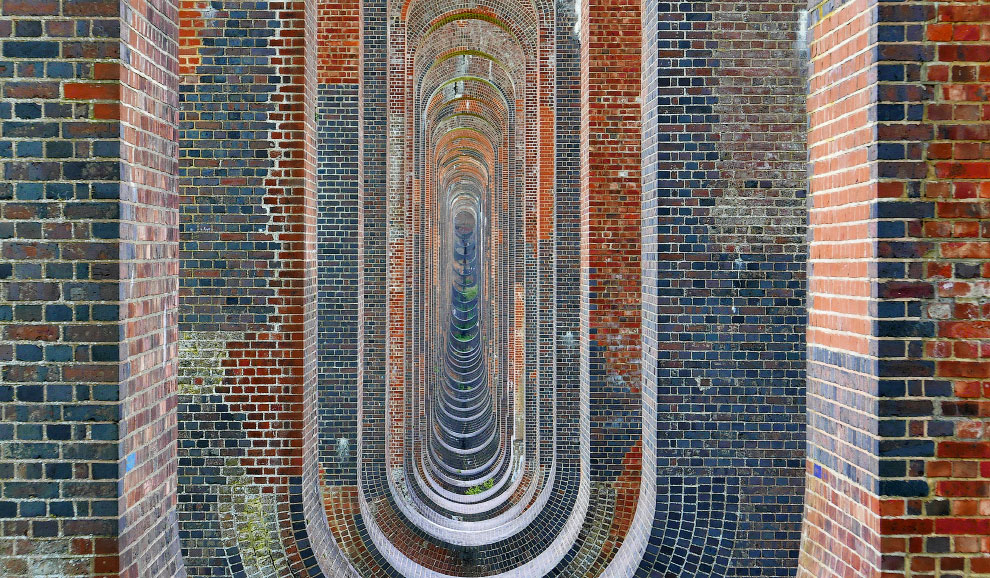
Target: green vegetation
column 480, row 487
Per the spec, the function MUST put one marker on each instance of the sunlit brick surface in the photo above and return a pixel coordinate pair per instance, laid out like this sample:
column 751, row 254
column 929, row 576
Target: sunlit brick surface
column 506, row 288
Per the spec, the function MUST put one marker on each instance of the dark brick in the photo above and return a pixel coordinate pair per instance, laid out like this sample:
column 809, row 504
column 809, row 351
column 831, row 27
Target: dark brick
column 32, row 171
column 92, row 170
column 904, row 488
column 90, row 8
column 30, row 7
column 30, row 49
column 30, row 89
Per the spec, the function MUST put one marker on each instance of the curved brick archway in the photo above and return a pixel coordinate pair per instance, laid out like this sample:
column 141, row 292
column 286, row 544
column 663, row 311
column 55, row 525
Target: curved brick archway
column 300, row 288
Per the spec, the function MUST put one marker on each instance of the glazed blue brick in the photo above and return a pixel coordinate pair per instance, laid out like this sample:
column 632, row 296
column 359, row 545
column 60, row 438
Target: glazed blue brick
column 890, row 33
column 891, row 428
column 32, row 509
column 905, row 329
column 890, row 151
column 58, row 270
column 904, row 488
column 104, row 471
column 58, row 313
column 107, row 431
column 30, row 49
column 890, row 112
column 27, row 129
column 106, row 148
column 60, row 70
column 29, row 432
column 105, row 393
column 28, row 28
column 105, row 312
column 99, row 413
column 890, row 72
column 58, row 149
column 27, row 110
column 58, row 432
column 8, row 509
column 31, row 393
column 61, row 509
column 104, row 353
column 903, row 210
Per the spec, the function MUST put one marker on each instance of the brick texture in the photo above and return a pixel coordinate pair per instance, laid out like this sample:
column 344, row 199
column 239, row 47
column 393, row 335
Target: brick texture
column 247, row 310
column 89, row 208
column 389, row 288
column 897, row 178
column 724, row 257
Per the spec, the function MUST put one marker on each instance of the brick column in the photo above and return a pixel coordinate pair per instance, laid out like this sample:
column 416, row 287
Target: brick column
column 248, row 303
column 610, row 255
column 842, row 526
column 724, row 195
column 89, row 285
column 897, row 371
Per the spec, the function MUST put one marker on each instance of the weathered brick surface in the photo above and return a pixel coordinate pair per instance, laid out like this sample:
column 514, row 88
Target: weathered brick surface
column 932, row 119
column 260, row 256
column 723, row 293
column 897, row 174
column 247, row 234
column 610, row 280
column 89, row 209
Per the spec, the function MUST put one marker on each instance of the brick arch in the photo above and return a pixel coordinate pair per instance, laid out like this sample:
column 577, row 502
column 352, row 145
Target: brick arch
column 475, row 37
column 224, row 225
column 423, row 18
column 447, row 77
column 440, row 58
column 516, row 162
column 456, row 124
column 491, row 110
column 450, row 84
column 453, row 164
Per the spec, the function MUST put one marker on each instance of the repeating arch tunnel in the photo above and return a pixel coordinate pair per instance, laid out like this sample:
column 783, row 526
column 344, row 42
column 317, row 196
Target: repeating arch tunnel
column 493, row 288
column 481, row 403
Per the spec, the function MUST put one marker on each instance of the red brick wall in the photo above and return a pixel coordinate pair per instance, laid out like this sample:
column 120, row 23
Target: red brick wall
column 942, row 170
column 611, row 185
column 842, row 526
column 339, row 41
column 89, row 222
column 149, row 270
column 915, row 156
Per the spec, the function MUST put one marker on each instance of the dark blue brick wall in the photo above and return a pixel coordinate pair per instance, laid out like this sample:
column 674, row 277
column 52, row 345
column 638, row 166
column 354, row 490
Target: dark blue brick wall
column 724, row 265
column 337, row 293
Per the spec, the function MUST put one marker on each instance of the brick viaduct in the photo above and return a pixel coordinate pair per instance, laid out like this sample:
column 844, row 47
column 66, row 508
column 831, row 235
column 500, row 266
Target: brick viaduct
column 513, row 288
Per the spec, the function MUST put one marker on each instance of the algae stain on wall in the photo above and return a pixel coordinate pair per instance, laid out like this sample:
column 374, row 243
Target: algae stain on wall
column 247, row 517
